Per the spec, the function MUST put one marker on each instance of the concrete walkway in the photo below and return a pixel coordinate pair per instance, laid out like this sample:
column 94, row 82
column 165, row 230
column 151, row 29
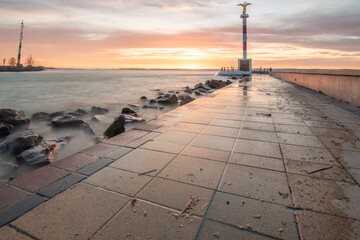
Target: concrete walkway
column 256, row 160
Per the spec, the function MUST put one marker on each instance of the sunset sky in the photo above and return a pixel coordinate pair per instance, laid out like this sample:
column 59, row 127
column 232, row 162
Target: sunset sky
column 182, row 34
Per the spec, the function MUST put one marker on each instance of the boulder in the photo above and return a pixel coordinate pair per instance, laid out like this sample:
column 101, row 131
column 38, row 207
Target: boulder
column 143, row 98
column 201, row 85
column 128, row 111
column 152, row 101
column 68, row 121
column 203, row 90
column 57, row 114
column 184, row 99
column 41, row 116
column 149, row 106
column 117, row 127
column 187, row 90
column 129, row 118
column 43, row 153
column 198, row 93
column 168, row 99
column 98, row 118
column 14, row 118
column 216, row 83
column 5, row 129
column 134, row 105
column 159, row 97
column 78, row 113
column 19, row 142
column 99, row 110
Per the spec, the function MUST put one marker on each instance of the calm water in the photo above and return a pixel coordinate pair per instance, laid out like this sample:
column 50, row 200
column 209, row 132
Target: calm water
column 68, row 90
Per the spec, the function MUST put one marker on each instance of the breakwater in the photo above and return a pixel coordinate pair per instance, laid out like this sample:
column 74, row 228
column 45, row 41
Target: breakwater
column 340, row 84
column 21, row 69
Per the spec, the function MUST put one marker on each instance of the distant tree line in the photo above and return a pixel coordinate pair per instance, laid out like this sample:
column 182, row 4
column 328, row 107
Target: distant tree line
column 29, row 61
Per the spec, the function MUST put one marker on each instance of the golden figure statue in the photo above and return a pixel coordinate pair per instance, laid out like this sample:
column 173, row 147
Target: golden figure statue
column 244, row 5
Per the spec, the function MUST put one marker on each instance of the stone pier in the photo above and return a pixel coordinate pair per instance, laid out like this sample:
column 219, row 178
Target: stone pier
column 260, row 159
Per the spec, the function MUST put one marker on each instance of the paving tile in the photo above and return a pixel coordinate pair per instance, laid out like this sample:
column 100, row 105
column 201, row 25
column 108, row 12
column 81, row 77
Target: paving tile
column 294, row 122
column 266, row 149
column 75, row 162
column 207, row 153
column 355, row 173
column 314, row 226
column 213, row 230
column 253, row 215
column 336, row 198
column 214, row 142
column 332, row 172
column 322, row 124
column 200, row 118
column 264, row 136
column 126, row 137
column 61, row 185
column 143, row 160
column 147, row 126
column 258, row 117
column 100, row 149
column 142, row 140
column 119, row 153
column 11, row 234
column 176, row 137
column 347, row 158
column 94, row 167
column 39, row 178
column 258, row 126
column 63, row 216
column 9, row 195
column 341, row 143
column 17, row 209
column 177, row 195
column 226, row 123
column 308, row 154
column 188, row 127
column 301, row 140
column 303, row 130
column 337, row 133
column 159, row 223
column 257, row 161
column 118, row 180
column 257, row 183
column 238, row 117
column 195, row 171
column 221, row 131
column 164, row 147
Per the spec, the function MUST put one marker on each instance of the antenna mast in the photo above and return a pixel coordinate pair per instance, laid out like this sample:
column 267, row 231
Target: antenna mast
column 20, row 43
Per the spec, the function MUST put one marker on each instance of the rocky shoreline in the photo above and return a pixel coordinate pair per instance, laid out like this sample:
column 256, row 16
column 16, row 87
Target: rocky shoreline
column 21, row 69
column 19, row 141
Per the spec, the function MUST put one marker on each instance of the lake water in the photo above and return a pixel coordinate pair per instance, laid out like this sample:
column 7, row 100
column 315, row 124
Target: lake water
column 68, row 90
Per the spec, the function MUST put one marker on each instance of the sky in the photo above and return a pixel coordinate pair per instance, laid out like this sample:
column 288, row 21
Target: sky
column 192, row 34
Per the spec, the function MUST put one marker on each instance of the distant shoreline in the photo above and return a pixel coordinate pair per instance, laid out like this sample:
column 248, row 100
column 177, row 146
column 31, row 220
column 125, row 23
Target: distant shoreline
column 21, row 69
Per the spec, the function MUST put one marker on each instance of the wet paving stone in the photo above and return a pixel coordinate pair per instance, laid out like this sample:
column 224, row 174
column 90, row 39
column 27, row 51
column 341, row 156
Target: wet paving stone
column 265, row 149
column 142, row 160
column 213, row 230
column 257, row 161
column 206, row 153
column 176, row 137
column 100, row 149
column 119, row 153
column 257, row 183
column 117, row 180
column 9, row 195
column 214, row 142
column 10, row 233
column 264, row 136
column 149, row 221
column 195, row 171
column 63, row 217
column 126, row 137
column 188, row 127
column 164, row 147
column 94, row 167
column 177, row 195
column 39, row 178
column 75, row 162
column 326, row 196
column 19, row 208
column 313, row 226
column 253, row 215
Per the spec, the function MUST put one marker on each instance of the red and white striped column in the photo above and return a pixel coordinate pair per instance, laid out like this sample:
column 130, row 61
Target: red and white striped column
column 244, row 17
